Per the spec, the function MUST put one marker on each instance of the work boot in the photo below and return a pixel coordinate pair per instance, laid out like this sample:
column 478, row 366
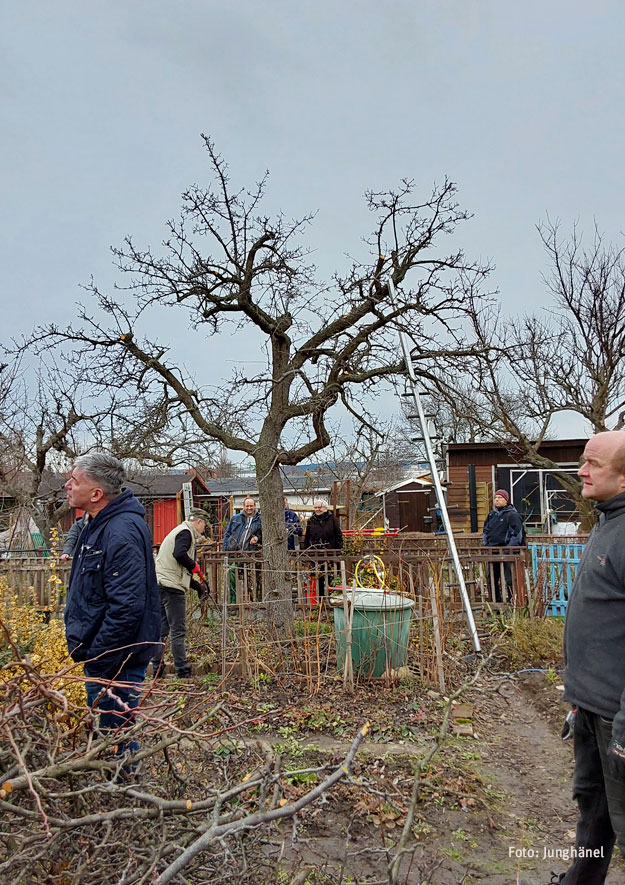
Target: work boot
column 184, row 673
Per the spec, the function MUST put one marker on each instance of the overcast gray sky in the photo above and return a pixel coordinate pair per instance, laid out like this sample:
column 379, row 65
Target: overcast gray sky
column 103, row 103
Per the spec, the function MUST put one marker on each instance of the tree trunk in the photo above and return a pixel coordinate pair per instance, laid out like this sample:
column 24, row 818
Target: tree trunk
column 278, row 592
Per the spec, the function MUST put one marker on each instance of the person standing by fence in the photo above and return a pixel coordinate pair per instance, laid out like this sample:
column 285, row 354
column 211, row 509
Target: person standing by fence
column 323, row 532
column 503, row 527
column 244, row 532
column 293, row 526
column 176, row 571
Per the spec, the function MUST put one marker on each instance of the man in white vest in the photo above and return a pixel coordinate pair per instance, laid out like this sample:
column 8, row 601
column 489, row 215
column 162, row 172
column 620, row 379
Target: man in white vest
column 176, row 567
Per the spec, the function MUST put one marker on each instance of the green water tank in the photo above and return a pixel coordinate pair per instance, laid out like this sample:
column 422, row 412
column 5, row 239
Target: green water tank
column 380, row 631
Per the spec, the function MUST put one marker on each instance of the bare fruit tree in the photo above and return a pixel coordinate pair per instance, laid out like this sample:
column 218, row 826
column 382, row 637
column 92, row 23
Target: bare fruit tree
column 51, row 415
column 235, row 271
column 39, row 422
column 534, row 368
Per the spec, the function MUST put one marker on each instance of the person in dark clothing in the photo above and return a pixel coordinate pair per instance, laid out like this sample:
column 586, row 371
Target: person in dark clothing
column 244, row 532
column 503, row 527
column 594, row 681
column 176, row 568
column 71, row 541
column 323, row 532
column 112, row 611
column 293, row 526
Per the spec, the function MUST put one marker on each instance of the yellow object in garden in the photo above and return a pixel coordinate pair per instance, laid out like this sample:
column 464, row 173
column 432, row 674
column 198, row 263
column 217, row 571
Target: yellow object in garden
column 21, row 622
column 42, row 640
column 50, row 656
column 370, row 573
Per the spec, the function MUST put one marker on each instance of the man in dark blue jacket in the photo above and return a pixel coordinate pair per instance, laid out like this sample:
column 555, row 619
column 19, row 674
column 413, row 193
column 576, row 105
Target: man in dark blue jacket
column 502, row 528
column 112, row 616
column 293, row 526
column 244, row 531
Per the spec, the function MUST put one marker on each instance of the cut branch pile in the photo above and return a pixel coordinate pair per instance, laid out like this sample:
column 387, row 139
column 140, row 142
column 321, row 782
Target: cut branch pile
column 75, row 810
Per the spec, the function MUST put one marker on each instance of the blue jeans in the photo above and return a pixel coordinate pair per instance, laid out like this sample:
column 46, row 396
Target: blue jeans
column 599, row 788
column 113, row 715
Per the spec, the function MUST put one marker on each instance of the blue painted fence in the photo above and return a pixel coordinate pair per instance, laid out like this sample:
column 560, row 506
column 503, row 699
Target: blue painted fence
column 553, row 568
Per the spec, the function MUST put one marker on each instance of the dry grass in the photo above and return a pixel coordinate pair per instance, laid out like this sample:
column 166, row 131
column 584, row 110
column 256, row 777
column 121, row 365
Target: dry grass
column 523, row 642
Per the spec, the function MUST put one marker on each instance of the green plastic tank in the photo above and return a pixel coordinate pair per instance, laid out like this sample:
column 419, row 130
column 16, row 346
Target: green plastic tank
column 380, row 631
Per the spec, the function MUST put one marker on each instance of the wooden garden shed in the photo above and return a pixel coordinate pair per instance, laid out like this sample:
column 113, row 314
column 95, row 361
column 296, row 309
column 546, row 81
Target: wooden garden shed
column 475, row 470
column 409, row 505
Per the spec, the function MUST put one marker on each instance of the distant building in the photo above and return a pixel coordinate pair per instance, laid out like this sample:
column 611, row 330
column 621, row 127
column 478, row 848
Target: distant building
column 163, row 496
column 409, row 505
column 161, row 493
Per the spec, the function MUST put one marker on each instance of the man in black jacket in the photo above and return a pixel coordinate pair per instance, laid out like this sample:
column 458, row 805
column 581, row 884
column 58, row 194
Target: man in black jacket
column 323, row 532
column 594, row 649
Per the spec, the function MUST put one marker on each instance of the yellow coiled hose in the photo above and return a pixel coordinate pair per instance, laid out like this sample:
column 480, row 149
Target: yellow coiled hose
column 371, row 562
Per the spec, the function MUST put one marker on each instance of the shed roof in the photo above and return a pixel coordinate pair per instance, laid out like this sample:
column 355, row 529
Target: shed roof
column 161, row 485
column 225, row 487
column 423, row 482
column 561, row 451
column 146, row 484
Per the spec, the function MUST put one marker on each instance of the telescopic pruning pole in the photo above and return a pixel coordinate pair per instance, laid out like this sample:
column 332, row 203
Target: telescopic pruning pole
column 440, row 498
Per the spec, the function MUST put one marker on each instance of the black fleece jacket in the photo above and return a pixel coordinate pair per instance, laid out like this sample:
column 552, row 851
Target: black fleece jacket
column 594, row 632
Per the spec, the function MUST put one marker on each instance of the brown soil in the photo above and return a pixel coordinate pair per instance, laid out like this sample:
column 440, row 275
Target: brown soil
column 491, row 804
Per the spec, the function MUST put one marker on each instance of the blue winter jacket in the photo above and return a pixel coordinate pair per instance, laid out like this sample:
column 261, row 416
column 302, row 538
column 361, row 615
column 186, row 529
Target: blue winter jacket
column 503, row 528
column 293, row 527
column 112, row 614
column 238, row 533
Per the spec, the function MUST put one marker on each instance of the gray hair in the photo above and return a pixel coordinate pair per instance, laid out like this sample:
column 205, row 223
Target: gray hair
column 107, row 470
column 320, row 501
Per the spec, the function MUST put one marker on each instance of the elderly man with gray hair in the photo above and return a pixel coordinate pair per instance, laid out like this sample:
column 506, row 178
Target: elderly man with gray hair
column 323, row 532
column 112, row 616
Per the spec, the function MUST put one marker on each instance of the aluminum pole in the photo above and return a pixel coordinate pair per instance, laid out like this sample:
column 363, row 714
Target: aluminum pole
column 405, row 345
